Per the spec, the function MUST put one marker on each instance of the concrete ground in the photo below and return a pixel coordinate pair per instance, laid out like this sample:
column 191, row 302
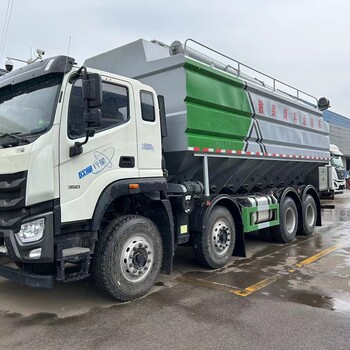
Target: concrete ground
column 292, row 296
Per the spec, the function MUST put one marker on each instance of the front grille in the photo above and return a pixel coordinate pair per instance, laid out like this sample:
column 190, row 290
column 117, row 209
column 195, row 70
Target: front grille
column 341, row 174
column 12, row 200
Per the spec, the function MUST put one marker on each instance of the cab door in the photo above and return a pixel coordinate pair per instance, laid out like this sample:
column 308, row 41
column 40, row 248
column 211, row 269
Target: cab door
column 109, row 156
column 148, row 134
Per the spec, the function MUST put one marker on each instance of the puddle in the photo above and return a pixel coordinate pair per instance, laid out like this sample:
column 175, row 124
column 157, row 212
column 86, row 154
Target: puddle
column 310, row 298
column 341, row 305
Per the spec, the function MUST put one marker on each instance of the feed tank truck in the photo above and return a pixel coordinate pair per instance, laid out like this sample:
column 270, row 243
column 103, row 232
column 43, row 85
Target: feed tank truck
column 108, row 167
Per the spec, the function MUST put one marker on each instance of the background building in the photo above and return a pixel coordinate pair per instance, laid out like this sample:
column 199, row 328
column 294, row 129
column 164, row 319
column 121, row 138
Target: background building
column 339, row 133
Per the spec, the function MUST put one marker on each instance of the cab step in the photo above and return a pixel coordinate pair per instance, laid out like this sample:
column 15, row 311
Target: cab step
column 75, row 252
column 73, row 256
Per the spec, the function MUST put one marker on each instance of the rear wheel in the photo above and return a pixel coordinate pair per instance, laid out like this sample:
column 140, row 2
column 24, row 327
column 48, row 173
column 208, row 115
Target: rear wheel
column 309, row 215
column 128, row 258
column 214, row 246
column 287, row 229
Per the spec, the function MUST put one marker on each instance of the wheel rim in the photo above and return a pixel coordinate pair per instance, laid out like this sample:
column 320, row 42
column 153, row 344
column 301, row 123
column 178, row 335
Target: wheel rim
column 310, row 215
column 290, row 220
column 221, row 237
column 137, row 258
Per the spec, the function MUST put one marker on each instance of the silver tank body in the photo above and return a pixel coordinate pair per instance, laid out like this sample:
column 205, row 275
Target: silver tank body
column 254, row 138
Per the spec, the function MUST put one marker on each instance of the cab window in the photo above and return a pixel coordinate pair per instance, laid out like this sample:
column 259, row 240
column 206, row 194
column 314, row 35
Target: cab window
column 114, row 109
column 147, row 106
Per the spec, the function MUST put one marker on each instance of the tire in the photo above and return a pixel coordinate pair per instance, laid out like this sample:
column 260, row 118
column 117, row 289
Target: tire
column 287, row 229
column 309, row 215
column 128, row 257
column 214, row 246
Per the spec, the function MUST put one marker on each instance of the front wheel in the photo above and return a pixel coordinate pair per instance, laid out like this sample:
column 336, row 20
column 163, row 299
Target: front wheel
column 214, row 246
column 128, row 258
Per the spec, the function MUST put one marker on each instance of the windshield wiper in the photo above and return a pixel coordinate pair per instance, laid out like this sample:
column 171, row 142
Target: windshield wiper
column 15, row 136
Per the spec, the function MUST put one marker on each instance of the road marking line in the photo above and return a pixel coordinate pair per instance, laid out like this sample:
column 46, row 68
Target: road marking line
column 255, row 287
column 263, row 283
column 202, row 283
column 259, row 285
column 241, row 292
column 321, row 254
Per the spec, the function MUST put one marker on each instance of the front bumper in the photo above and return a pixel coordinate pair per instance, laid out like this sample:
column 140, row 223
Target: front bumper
column 14, row 213
column 18, row 251
column 12, row 249
column 26, row 278
column 339, row 185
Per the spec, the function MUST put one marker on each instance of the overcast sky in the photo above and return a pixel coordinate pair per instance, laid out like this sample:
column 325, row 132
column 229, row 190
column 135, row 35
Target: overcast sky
column 302, row 42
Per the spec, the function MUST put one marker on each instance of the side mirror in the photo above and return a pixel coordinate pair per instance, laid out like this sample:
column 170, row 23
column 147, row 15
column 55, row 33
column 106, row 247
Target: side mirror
column 92, row 96
column 92, row 118
column 78, row 146
column 92, row 90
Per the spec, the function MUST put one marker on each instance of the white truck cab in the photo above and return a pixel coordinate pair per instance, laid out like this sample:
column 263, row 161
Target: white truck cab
column 338, row 169
column 72, row 141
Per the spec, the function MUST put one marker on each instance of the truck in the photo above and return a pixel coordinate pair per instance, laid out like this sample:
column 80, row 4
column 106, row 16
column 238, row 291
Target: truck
column 338, row 169
column 107, row 167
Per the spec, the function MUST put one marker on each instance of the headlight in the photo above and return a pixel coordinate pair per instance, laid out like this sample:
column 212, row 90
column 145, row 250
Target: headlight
column 32, row 231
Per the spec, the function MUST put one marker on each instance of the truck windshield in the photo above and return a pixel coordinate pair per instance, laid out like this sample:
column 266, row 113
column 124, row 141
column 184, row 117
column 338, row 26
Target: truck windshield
column 337, row 161
column 28, row 108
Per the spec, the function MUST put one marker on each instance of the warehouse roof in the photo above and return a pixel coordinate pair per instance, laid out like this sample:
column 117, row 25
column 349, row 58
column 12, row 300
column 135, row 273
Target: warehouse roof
column 335, row 118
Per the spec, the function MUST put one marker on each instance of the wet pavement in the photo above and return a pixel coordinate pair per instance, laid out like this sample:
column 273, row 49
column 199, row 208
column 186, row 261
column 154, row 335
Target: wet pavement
column 294, row 296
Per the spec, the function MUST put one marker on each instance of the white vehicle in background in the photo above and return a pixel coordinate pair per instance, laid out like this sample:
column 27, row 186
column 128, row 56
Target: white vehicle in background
column 338, row 169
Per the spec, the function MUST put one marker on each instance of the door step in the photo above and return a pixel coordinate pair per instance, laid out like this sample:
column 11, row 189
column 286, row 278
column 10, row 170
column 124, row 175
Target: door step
column 75, row 255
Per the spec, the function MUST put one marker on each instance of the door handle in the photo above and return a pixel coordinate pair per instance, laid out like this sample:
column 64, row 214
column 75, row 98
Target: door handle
column 126, row 162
